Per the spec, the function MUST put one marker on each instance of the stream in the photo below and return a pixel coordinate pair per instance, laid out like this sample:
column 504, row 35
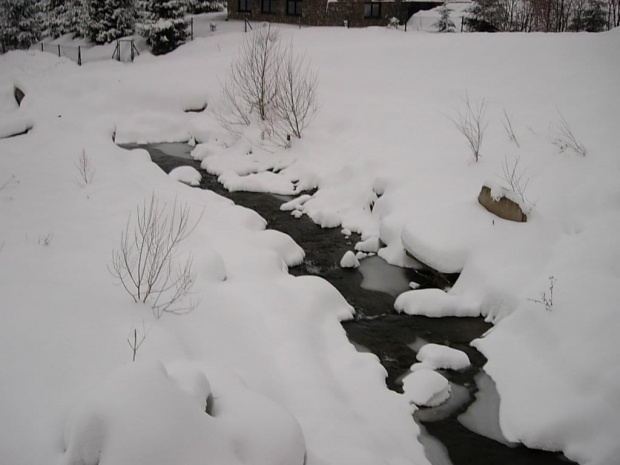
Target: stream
column 464, row 430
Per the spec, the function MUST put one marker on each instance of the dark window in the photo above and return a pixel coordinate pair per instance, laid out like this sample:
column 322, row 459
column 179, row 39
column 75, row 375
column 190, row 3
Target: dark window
column 293, row 7
column 372, row 10
column 268, row 6
column 245, row 6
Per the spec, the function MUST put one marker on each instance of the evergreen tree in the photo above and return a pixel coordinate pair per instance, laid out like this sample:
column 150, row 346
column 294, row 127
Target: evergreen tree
column 19, row 24
column 165, row 27
column 63, row 17
column 444, row 23
column 108, row 20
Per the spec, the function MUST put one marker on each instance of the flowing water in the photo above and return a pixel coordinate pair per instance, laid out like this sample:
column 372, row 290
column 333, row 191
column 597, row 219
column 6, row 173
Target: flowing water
column 464, row 430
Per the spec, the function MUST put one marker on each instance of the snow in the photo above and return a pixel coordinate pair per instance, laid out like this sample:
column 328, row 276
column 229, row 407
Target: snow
column 388, row 164
column 426, row 388
column 186, row 174
column 349, row 260
column 378, row 275
column 434, row 303
column 443, row 357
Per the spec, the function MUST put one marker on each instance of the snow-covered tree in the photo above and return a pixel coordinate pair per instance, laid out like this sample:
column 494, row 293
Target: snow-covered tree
column 444, row 23
column 109, row 19
column 63, row 17
column 19, row 24
column 164, row 27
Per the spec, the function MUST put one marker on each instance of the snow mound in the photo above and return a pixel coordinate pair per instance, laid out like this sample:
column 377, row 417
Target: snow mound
column 426, row 388
column 371, row 245
column 257, row 182
column 349, row 260
column 209, row 264
column 282, row 244
column 15, row 126
column 442, row 238
column 142, row 415
column 434, row 303
column 443, row 357
column 186, row 174
column 296, row 203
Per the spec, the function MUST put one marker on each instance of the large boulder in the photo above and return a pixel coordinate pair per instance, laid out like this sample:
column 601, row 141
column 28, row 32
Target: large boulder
column 501, row 205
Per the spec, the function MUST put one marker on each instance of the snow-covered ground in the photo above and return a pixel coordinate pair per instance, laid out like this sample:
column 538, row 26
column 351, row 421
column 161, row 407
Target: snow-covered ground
column 268, row 347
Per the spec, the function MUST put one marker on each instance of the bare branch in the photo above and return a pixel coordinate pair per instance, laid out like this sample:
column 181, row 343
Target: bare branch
column 507, row 122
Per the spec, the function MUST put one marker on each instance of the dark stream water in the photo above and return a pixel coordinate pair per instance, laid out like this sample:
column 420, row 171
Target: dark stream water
column 394, row 338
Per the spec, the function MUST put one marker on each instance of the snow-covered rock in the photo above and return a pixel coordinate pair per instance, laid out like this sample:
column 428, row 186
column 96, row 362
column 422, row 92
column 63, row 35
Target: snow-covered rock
column 186, row 174
column 426, row 388
column 349, row 260
column 443, row 357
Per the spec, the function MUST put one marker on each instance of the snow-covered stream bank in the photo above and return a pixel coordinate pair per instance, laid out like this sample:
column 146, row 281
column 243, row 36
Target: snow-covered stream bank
column 389, row 165
column 394, row 338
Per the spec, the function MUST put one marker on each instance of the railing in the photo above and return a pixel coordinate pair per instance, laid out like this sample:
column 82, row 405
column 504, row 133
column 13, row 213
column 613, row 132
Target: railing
column 133, row 51
column 71, row 52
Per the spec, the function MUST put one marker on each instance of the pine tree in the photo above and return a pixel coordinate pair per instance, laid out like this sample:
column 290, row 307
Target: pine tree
column 109, row 19
column 19, row 24
column 444, row 23
column 164, row 27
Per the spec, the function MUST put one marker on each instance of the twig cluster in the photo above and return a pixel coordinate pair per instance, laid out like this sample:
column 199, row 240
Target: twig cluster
column 565, row 138
column 85, row 168
column 516, row 181
column 470, row 121
column 546, row 299
column 507, row 123
column 134, row 341
column 146, row 263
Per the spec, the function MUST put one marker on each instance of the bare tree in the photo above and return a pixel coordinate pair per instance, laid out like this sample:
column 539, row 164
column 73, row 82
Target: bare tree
column 565, row 138
column 146, row 263
column 252, row 81
column 86, row 170
column 295, row 104
column 271, row 82
column 471, row 122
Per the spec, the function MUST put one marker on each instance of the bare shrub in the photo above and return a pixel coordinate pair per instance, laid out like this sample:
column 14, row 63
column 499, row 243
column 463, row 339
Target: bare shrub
column 516, row 181
column 507, row 123
column 295, row 103
column 146, row 263
column 85, row 168
column 272, row 83
column 252, row 81
column 566, row 140
column 546, row 298
column 470, row 121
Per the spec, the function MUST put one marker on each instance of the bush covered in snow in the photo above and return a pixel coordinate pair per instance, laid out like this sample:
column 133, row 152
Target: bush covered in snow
column 444, row 23
column 165, row 27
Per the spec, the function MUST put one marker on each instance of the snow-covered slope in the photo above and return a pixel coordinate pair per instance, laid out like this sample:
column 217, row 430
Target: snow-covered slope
column 389, row 163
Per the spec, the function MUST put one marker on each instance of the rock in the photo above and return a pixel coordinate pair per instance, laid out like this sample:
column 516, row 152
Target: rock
column 501, row 205
column 19, row 95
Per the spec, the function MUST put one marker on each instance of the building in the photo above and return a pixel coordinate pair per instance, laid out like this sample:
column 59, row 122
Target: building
column 354, row 13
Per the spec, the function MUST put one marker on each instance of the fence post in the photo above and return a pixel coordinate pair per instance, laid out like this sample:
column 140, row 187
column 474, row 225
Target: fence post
column 59, row 50
column 118, row 48
column 41, row 46
column 405, row 26
column 191, row 28
column 79, row 55
column 245, row 26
